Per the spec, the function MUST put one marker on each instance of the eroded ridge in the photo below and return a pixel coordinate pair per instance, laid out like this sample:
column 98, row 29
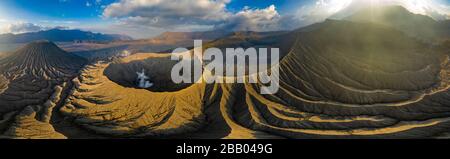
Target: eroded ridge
column 339, row 80
column 3, row 83
column 33, row 78
column 107, row 107
column 373, row 82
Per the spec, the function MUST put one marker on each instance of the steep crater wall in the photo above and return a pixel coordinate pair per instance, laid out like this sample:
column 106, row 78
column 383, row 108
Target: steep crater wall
column 157, row 69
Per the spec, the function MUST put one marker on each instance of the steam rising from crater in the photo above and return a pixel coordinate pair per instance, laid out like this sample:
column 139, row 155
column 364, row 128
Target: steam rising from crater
column 143, row 80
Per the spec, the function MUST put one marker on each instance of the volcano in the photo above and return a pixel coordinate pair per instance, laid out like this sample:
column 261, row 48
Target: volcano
column 41, row 59
column 419, row 26
column 339, row 79
column 32, row 80
column 354, row 80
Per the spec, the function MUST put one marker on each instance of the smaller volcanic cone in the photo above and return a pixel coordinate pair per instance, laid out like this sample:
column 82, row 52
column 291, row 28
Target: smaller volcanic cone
column 40, row 59
column 29, row 75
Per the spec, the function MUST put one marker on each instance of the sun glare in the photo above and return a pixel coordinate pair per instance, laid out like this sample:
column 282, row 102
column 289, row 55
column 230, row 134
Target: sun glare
column 433, row 8
column 415, row 6
column 333, row 6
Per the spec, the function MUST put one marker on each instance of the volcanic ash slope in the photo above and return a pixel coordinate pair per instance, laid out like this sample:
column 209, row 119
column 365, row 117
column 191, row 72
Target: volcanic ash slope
column 338, row 80
column 351, row 80
column 108, row 107
column 32, row 81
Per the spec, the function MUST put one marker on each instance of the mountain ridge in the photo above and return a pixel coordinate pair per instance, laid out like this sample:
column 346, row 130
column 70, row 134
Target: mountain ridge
column 60, row 35
column 419, row 26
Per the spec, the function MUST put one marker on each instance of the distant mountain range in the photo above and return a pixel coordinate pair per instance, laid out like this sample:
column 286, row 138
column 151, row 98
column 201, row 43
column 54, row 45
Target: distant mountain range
column 165, row 42
column 416, row 25
column 59, row 35
column 183, row 38
column 206, row 35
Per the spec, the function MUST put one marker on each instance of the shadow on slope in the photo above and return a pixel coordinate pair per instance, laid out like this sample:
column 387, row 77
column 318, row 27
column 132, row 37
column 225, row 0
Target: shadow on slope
column 158, row 69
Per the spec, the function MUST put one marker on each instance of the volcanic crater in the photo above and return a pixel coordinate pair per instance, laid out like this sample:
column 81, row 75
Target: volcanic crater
column 125, row 73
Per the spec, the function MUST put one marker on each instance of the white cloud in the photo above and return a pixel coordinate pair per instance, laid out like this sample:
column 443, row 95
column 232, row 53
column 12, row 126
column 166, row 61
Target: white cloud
column 20, row 27
column 198, row 15
column 169, row 10
column 432, row 8
column 266, row 19
column 320, row 10
column 24, row 27
column 436, row 9
column 191, row 14
column 337, row 9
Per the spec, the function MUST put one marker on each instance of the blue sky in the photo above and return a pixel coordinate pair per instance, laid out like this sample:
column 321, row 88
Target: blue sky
column 57, row 10
column 143, row 19
column 80, row 10
column 89, row 11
